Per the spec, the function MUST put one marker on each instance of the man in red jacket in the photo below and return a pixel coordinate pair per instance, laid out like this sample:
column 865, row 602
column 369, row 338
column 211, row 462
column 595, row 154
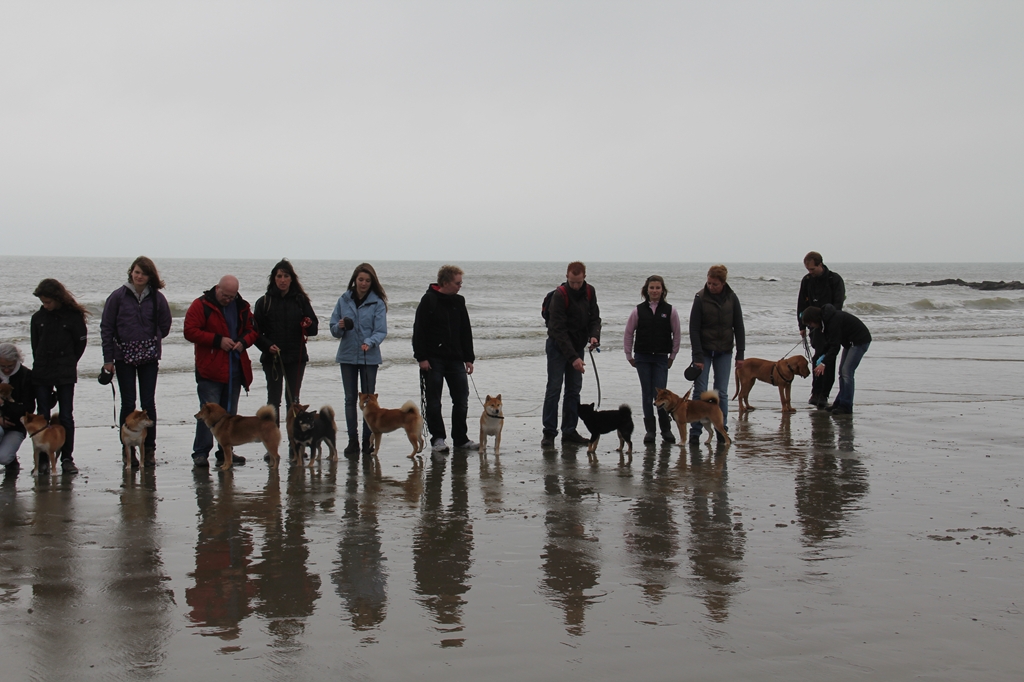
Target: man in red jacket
column 219, row 324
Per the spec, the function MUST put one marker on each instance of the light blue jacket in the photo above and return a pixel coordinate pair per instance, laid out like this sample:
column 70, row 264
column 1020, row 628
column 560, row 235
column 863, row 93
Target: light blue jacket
column 371, row 328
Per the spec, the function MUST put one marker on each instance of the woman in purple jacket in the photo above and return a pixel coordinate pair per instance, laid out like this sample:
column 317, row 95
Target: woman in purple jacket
column 135, row 317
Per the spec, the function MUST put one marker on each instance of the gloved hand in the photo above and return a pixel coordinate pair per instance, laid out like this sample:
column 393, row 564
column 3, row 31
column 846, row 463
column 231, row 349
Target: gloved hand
column 349, row 324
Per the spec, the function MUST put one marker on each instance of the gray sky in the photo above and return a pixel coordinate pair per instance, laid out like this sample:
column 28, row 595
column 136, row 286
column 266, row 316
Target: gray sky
column 623, row 131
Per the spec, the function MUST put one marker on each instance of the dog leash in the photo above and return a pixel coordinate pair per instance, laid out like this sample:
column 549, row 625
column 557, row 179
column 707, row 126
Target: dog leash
column 596, row 375
column 477, row 392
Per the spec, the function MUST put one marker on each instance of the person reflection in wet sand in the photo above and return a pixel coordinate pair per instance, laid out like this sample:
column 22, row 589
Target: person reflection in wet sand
column 220, row 598
column 716, row 544
column 137, row 585
column 570, row 560
column 361, row 578
column 284, row 590
column 443, row 546
column 828, row 484
column 652, row 534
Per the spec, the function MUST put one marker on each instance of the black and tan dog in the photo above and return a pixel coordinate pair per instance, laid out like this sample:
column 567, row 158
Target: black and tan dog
column 133, row 435
column 683, row 411
column 779, row 374
column 314, row 429
column 231, row 430
column 606, row 421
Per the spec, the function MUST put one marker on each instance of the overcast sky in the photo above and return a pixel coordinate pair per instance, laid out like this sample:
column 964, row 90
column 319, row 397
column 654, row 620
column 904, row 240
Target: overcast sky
column 620, row 131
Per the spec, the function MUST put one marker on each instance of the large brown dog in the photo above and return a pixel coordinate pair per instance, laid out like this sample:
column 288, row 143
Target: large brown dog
column 683, row 411
column 133, row 435
column 382, row 420
column 779, row 374
column 47, row 438
column 231, row 430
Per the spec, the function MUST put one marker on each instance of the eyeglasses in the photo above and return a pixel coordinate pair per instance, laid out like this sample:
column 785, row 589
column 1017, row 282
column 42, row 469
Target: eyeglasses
column 458, row 284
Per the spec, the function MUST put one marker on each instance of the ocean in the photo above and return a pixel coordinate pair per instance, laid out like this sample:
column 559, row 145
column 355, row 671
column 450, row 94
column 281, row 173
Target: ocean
column 504, row 299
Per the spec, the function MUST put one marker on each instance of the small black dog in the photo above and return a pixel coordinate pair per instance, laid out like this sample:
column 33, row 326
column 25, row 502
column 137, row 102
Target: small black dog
column 606, row 421
column 313, row 429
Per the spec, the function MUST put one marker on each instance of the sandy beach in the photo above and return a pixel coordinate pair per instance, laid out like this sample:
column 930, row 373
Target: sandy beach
column 884, row 546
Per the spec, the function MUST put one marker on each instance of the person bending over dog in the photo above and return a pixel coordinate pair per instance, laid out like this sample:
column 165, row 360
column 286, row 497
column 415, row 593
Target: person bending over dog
column 818, row 287
column 442, row 343
column 220, row 325
column 841, row 329
column 17, row 398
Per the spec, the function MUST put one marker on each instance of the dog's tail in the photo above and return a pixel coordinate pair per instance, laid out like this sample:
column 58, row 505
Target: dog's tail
column 736, row 375
column 54, row 419
column 327, row 414
column 267, row 413
column 709, row 397
column 410, row 406
column 626, row 408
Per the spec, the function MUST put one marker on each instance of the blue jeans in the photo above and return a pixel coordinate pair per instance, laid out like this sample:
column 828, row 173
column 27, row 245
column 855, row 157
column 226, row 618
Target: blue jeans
column 847, row 367
column 10, row 440
column 66, row 404
column 351, row 376
column 722, row 364
column 653, row 373
column 146, row 374
column 213, row 392
column 558, row 368
column 454, row 373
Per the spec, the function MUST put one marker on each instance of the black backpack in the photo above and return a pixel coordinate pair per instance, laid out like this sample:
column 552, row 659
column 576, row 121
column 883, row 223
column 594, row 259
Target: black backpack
column 546, row 305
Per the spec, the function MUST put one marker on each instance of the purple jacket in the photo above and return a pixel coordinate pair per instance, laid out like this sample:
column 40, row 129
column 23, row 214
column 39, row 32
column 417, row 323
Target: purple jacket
column 125, row 318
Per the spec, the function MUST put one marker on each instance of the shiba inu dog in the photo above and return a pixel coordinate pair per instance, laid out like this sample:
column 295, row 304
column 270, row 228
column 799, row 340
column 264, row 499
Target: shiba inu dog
column 314, row 429
column 382, row 420
column 231, row 430
column 491, row 422
column 606, row 421
column 133, row 435
column 47, row 438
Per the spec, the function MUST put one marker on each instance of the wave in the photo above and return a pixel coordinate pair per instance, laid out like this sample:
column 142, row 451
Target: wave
column 997, row 303
column 868, row 308
column 928, row 304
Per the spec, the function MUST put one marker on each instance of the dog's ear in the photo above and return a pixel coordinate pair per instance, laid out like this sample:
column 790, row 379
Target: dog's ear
column 498, row 397
column 487, row 398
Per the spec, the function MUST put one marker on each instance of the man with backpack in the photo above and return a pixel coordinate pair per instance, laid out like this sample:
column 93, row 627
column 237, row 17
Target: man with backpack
column 574, row 321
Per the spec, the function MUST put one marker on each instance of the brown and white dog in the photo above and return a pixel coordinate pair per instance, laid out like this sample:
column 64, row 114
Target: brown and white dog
column 133, row 435
column 491, row 423
column 683, row 411
column 382, row 420
column 231, row 430
column 47, row 438
column 779, row 374
column 5, row 393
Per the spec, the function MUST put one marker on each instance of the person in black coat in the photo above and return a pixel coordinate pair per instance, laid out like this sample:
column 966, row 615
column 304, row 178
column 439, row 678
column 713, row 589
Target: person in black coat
column 842, row 330
column 284, row 318
column 21, row 401
column 58, row 334
column 820, row 286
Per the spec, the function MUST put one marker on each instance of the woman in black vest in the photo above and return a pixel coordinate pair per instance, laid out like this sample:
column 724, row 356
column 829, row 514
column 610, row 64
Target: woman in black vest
column 651, row 342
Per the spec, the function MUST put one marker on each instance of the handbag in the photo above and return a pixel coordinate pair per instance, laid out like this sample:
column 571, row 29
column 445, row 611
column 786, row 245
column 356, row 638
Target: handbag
column 147, row 350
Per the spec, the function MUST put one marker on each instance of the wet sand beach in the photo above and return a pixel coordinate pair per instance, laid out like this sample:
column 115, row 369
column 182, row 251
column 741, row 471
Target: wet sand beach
column 885, row 545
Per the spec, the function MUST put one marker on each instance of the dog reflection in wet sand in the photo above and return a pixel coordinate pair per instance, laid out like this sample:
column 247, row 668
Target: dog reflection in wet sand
column 683, row 411
column 383, row 420
column 231, row 430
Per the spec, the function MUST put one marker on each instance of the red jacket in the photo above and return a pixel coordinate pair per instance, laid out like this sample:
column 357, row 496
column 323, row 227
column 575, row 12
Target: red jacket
column 205, row 326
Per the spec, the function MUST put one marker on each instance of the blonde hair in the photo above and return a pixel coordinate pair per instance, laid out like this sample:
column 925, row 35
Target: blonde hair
column 447, row 273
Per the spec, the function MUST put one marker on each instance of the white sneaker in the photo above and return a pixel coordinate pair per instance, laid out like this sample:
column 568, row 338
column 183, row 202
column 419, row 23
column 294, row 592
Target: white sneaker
column 468, row 445
column 438, row 445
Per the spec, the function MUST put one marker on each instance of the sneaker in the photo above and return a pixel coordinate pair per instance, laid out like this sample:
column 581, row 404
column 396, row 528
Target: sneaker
column 200, row 462
column 438, row 445
column 574, row 437
column 468, row 445
column 548, row 441
column 68, row 467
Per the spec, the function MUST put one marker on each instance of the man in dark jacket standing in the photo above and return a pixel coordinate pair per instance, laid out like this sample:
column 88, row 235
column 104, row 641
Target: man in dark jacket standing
column 574, row 322
column 820, row 286
column 219, row 324
column 841, row 329
column 442, row 343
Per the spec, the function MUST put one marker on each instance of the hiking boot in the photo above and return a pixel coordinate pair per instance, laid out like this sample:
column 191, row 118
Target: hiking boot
column 547, row 441
column 438, row 445
column 575, row 438
column 149, row 459
column 352, row 449
column 839, row 410
column 649, row 436
column 200, row 462
column 235, row 459
column 694, row 439
column 11, row 470
column 668, row 438
column 67, row 467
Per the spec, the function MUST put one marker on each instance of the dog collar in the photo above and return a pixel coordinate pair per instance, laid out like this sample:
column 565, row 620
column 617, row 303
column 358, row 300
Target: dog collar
column 33, row 435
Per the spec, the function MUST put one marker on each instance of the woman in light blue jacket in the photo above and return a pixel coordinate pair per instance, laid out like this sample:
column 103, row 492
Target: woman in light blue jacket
column 360, row 320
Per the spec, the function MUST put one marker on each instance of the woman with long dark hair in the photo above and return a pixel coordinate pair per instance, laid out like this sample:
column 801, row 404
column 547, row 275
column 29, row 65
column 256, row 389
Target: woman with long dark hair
column 135, row 318
column 360, row 320
column 58, row 335
column 284, row 318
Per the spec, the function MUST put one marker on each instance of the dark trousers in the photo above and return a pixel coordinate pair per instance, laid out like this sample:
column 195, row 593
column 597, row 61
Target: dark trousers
column 452, row 372
column 66, row 404
column 351, row 377
column 560, row 368
column 821, row 385
column 146, row 375
column 278, row 374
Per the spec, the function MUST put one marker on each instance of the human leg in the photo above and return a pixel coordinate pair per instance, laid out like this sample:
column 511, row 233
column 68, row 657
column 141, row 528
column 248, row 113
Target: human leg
column 458, row 388
column 722, row 364
column 293, row 373
column 644, row 363
column 368, row 380
column 571, row 400
column 434, row 383
column 125, row 375
column 209, row 392
column 10, row 441
column 350, row 382
column 847, row 368
column 66, row 405
column 700, row 385
column 147, row 375
column 275, row 380
column 659, row 379
column 556, row 372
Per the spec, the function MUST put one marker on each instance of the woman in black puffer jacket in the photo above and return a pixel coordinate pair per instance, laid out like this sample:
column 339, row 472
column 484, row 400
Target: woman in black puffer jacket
column 284, row 318
column 58, row 342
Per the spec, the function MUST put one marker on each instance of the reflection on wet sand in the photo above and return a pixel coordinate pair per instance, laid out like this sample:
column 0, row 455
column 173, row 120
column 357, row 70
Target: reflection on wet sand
column 137, row 585
column 571, row 561
column 361, row 578
column 829, row 482
column 652, row 534
column 716, row 542
column 443, row 546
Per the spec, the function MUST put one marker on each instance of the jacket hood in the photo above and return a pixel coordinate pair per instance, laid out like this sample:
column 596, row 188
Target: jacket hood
column 210, row 296
column 828, row 311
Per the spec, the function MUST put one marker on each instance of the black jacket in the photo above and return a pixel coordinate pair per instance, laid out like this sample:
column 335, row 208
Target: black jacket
column 58, row 341
column 716, row 322
column 279, row 321
column 842, row 329
column 23, row 399
column 441, row 328
column 572, row 325
column 818, row 291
